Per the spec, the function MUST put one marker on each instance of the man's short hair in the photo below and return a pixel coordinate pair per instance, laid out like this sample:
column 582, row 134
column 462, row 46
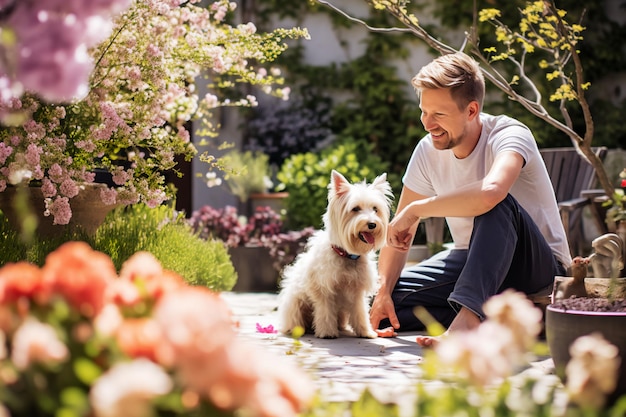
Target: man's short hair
column 458, row 72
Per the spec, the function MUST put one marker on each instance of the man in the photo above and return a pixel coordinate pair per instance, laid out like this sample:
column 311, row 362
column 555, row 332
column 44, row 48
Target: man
column 485, row 175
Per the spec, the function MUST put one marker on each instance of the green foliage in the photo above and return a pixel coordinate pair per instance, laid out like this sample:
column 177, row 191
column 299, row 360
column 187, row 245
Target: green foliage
column 371, row 104
column 306, row 177
column 527, row 397
column 14, row 249
column 168, row 237
column 366, row 406
column 201, row 262
column 379, row 111
column 128, row 230
column 247, row 173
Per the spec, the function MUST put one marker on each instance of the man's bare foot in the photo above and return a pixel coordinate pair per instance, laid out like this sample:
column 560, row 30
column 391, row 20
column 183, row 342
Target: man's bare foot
column 464, row 320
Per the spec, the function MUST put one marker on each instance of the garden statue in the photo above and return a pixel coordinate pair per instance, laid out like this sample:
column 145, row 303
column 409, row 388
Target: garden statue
column 607, row 259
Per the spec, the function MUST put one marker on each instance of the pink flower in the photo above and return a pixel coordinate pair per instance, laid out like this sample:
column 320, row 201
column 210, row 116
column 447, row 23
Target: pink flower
column 140, row 337
column 212, row 361
column 69, row 188
column 592, row 371
column 20, row 281
column 267, row 329
column 48, row 188
column 60, row 210
column 108, row 195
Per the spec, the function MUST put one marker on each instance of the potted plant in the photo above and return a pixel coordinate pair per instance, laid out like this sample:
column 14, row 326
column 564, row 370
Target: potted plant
column 248, row 177
column 132, row 119
column 259, row 245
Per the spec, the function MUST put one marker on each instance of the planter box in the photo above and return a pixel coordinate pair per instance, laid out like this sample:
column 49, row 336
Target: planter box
column 255, row 270
column 564, row 327
column 418, row 253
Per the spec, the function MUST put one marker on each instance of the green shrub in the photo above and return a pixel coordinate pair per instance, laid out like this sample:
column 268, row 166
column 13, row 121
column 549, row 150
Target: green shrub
column 201, row 262
column 127, row 230
column 306, row 177
column 14, row 249
column 170, row 239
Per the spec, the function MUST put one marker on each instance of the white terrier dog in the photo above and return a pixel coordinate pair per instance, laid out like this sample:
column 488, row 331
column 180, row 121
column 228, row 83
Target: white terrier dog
column 327, row 287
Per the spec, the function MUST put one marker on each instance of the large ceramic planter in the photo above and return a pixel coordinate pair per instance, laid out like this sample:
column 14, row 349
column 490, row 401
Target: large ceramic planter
column 563, row 327
column 88, row 210
column 255, row 269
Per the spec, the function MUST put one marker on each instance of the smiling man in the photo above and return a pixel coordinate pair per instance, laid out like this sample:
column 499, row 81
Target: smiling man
column 485, row 175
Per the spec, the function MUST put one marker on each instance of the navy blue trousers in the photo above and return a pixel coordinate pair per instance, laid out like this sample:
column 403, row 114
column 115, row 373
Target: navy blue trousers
column 506, row 250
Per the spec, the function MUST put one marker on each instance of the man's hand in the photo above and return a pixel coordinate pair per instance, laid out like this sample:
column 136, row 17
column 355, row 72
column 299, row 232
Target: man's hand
column 399, row 234
column 383, row 308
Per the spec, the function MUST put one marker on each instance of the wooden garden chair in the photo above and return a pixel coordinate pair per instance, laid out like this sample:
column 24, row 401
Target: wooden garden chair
column 571, row 176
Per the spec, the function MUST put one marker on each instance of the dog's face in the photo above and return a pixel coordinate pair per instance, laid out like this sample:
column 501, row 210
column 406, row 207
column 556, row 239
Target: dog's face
column 358, row 214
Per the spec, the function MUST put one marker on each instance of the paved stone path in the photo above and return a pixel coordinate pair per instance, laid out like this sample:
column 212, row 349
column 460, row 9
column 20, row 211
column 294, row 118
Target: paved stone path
column 344, row 367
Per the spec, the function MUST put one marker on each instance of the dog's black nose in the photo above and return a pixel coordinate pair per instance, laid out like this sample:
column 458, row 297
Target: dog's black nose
column 371, row 226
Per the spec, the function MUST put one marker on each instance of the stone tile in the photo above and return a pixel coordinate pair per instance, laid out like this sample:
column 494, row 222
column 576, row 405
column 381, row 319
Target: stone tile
column 342, row 368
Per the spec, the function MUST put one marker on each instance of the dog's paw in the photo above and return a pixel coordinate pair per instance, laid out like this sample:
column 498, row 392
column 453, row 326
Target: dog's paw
column 370, row 334
column 321, row 335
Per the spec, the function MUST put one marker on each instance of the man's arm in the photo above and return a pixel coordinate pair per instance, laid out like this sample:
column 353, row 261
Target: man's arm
column 391, row 261
column 468, row 200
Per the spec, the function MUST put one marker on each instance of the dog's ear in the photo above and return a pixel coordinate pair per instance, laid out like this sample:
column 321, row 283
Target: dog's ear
column 380, row 179
column 381, row 184
column 339, row 185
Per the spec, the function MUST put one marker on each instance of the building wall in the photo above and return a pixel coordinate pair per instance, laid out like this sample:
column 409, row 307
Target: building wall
column 329, row 46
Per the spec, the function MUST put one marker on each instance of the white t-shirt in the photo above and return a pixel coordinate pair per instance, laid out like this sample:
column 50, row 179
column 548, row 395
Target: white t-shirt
column 431, row 172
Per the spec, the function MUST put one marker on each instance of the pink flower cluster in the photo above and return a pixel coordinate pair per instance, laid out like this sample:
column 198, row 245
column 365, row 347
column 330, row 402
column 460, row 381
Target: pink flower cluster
column 134, row 115
column 148, row 332
column 49, row 50
column 227, row 225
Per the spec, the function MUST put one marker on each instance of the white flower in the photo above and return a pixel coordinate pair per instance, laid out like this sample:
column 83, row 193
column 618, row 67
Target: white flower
column 19, row 176
column 109, row 320
column 592, row 370
column 212, row 180
column 515, row 311
column 127, row 388
column 467, row 354
column 36, row 342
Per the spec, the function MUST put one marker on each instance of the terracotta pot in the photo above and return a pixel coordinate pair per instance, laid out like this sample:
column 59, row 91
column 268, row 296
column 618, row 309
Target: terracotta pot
column 564, row 327
column 275, row 201
column 88, row 210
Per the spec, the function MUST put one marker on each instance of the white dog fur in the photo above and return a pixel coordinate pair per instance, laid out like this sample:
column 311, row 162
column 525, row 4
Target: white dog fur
column 327, row 288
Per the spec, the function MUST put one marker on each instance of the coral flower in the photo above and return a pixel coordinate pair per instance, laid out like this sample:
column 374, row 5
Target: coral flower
column 81, row 275
column 22, row 280
column 139, row 337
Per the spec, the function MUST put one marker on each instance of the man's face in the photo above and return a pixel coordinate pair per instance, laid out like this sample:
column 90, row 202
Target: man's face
column 442, row 118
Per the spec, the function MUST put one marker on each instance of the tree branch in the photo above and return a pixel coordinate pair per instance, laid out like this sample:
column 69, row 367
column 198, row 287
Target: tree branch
column 583, row 145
